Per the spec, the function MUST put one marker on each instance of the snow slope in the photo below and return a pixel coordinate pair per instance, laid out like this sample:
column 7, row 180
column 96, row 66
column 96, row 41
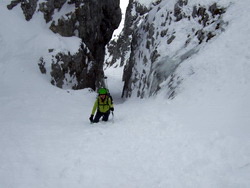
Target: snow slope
column 199, row 139
column 123, row 5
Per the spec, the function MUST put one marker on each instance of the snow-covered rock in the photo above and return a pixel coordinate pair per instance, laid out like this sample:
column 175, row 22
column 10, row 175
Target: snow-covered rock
column 157, row 38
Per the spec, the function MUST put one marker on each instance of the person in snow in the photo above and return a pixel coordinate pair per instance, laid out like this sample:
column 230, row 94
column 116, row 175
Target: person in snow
column 103, row 105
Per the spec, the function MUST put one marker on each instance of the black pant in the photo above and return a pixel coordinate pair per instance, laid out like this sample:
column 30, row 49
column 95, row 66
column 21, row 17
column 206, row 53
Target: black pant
column 105, row 116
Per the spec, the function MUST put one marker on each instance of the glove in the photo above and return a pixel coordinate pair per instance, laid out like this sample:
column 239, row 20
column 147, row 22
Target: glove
column 112, row 109
column 91, row 118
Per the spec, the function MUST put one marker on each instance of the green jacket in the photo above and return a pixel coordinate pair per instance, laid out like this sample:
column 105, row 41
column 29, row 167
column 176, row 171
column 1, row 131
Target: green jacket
column 102, row 105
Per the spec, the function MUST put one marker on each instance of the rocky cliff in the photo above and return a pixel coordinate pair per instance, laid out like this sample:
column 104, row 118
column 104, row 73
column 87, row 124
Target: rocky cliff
column 93, row 21
column 158, row 38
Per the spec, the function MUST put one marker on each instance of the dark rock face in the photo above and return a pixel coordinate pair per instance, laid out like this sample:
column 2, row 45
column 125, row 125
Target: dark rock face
column 13, row 4
column 94, row 22
column 91, row 20
column 48, row 8
column 120, row 48
column 178, row 9
column 28, row 7
column 71, row 70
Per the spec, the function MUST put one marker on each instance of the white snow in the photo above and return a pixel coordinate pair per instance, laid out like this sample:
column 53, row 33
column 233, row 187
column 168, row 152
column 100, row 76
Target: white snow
column 123, row 6
column 199, row 139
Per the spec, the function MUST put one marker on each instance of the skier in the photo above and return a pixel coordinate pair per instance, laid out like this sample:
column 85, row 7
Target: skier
column 103, row 105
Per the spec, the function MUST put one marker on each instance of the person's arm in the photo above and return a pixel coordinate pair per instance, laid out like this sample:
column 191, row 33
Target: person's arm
column 111, row 105
column 94, row 107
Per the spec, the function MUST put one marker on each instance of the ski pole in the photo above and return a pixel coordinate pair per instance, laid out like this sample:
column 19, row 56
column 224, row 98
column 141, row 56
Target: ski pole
column 113, row 117
column 105, row 81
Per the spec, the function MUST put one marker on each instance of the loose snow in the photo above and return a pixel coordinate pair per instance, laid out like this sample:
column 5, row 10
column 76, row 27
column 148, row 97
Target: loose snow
column 199, row 139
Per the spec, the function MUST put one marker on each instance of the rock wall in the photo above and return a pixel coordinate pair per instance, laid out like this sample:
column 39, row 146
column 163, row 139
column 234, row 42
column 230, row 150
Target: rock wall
column 91, row 20
column 118, row 50
column 161, row 38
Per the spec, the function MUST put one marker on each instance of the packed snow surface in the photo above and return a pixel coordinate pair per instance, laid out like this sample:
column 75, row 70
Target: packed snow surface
column 199, row 139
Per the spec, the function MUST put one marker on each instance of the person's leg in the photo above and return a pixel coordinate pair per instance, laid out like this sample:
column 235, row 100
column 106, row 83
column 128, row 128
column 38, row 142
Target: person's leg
column 106, row 116
column 97, row 117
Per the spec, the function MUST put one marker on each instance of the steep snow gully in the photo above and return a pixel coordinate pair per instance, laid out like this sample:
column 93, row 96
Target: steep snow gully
column 199, row 139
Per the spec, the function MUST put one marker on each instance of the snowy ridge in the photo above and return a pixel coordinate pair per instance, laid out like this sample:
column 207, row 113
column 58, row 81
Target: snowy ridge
column 201, row 138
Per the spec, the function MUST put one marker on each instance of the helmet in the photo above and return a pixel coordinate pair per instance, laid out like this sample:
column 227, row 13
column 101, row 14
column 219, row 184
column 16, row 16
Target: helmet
column 102, row 91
